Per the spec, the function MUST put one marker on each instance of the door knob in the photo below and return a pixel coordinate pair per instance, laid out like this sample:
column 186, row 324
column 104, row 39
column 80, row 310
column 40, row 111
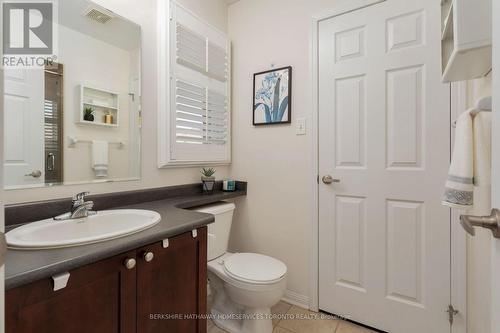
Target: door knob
column 148, row 256
column 3, row 248
column 34, row 174
column 329, row 180
column 130, row 263
column 491, row 222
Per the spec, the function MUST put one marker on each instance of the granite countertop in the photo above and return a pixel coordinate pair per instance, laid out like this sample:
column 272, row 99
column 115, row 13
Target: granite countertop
column 23, row 267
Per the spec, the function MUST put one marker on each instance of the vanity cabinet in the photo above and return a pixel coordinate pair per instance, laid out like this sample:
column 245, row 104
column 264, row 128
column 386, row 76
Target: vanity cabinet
column 172, row 287
column 159, row 294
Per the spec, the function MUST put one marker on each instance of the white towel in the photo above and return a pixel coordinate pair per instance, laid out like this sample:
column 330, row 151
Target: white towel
column 471, row 161
column 100, row 151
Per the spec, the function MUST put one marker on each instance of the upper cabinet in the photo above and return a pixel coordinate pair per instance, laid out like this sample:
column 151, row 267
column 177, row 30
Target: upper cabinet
column 194, row 83
column 466, row 39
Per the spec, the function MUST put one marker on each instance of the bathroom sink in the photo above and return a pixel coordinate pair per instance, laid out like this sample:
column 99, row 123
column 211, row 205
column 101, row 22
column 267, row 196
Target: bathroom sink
column 105, row 225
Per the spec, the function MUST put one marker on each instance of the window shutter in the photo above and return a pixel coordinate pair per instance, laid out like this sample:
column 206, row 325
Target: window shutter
column 190, row 48
column 190, row 113
column 51, row 130
column 217, row 62
column 217, row 128
column 199, row 107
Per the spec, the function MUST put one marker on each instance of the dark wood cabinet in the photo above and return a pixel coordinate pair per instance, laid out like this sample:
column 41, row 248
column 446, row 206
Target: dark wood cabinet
column 108, row 297
column 172, row 288
column 99, row 298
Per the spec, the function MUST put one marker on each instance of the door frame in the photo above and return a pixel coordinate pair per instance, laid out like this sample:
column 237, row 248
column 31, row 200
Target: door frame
column 458, row 238
column 2, row 222
column 495, row 135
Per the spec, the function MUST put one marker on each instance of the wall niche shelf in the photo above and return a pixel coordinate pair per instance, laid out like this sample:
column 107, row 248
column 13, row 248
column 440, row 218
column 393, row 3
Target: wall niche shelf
column 103, row 103
column 465, row 39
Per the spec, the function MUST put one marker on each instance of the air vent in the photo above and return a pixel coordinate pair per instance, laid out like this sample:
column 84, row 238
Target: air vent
column 99, row 14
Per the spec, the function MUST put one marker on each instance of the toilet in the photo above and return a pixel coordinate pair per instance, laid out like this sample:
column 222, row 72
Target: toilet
column 244, row 286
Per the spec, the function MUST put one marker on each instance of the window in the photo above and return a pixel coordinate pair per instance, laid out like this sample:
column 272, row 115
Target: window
column 194, row 117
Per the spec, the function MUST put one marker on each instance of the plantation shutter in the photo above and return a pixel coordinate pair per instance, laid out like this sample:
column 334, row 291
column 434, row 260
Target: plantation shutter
column 51, row 130
column 199, row 107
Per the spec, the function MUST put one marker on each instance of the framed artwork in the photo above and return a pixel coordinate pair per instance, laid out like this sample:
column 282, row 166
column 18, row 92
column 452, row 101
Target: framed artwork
column 272, row 97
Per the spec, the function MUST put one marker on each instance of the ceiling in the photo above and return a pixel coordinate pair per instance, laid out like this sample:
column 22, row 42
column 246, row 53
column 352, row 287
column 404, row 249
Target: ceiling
column 119, row 32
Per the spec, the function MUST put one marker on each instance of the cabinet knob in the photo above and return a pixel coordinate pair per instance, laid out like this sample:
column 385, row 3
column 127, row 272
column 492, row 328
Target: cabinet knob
column 130, row 263
column 148, row 256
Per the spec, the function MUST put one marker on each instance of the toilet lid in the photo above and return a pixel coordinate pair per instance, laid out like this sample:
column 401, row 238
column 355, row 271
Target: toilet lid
column 254, row 267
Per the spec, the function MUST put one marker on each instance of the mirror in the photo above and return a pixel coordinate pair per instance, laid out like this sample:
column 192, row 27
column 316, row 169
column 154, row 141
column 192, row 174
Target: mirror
column 76, row 119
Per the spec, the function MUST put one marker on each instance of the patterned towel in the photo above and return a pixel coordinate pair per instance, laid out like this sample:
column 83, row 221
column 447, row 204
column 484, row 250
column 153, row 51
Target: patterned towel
column 470, row 169
column 459, row 187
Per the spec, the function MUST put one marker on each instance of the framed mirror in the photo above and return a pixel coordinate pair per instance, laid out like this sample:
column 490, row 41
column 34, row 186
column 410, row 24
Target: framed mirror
column 77, row 119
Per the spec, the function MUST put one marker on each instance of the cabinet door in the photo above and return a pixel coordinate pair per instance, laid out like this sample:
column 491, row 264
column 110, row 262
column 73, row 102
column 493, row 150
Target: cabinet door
column 172, row 287
column 99, row 298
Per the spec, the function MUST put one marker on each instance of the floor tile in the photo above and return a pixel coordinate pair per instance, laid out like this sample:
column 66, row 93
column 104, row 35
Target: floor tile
column 347, row 327
column 307, row 322
column 280, row 309
column 211, row 328
column 278, row 329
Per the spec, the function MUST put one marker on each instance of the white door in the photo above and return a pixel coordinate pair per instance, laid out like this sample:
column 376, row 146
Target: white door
column 384, row 123
column 24, row 127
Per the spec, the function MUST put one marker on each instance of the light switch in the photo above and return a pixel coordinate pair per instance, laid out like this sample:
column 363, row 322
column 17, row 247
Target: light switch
column 301, row 126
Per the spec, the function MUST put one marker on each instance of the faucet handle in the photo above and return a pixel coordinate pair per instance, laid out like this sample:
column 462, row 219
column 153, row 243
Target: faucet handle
column 80, row 197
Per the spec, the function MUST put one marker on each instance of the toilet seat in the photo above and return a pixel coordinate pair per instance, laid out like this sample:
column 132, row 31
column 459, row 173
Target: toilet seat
column 254, row 268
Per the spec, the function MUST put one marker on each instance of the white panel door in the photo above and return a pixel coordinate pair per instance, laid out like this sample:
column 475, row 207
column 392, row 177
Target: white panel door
column 24, row 127
column 385, row 134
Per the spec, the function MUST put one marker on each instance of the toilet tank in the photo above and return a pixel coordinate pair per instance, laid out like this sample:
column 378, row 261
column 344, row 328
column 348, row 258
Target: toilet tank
column 218, row 232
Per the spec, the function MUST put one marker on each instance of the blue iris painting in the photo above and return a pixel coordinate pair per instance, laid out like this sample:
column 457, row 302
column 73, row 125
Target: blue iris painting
column 272, row 92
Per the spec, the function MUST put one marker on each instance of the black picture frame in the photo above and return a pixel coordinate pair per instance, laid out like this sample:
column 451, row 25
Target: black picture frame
column 256, row 104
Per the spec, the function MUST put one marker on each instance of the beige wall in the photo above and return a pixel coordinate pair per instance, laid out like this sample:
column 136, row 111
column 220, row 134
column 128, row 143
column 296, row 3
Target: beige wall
column 275, row 218
column 144, row 13
column 479, row 246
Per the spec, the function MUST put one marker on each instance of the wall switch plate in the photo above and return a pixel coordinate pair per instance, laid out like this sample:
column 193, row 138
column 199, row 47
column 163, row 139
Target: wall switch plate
column 301, row 126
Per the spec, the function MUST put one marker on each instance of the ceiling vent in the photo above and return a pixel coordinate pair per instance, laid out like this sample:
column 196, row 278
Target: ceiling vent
column 100, row 15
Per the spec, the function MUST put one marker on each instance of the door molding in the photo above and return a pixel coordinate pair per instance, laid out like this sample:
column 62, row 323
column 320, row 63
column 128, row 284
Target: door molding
column 495, row 135
column 458, row 236
column 458, row 239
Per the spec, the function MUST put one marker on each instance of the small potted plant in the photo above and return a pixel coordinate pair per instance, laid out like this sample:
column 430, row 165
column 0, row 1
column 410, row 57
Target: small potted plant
column 88, row 114
column 208, row 179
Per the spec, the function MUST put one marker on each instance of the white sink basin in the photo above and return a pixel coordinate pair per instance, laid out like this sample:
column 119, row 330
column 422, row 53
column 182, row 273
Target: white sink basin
column 105, row 225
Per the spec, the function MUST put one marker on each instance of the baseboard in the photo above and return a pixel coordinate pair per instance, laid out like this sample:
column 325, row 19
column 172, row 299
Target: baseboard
column 296, row 299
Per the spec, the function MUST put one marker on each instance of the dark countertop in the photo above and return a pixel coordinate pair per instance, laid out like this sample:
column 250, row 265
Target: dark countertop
column 23, row 267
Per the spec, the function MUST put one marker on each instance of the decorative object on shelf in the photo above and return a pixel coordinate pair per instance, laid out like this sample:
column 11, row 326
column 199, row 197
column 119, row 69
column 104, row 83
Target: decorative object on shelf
column 229, row 185
column 272, row 96
column 108, row 118
column 88, row 114
column 208, row 179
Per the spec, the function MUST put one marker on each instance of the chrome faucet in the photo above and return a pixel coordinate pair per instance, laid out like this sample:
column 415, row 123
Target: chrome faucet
column 79, row 208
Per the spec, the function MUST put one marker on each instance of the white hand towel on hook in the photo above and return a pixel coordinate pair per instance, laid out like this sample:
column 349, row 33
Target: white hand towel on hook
column 471, row 161
column 100, row 156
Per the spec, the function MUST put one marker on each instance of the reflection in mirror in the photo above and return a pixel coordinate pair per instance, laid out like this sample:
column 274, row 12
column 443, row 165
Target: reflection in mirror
column 77, row 120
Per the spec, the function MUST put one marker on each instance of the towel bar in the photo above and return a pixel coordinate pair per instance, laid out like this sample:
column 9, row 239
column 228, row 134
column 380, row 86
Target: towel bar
column 73, row 141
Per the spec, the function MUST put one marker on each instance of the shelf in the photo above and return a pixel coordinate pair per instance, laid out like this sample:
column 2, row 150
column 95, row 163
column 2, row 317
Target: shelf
column 100, row 106
column 94, row 123
column 447, row 31
column 465, row 39
column 102, row 102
